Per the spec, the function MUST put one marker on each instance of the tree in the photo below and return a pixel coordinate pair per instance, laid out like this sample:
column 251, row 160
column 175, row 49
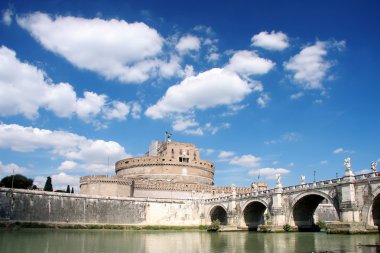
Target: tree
column 72, row 189
column 19, row 182
column 68, row 189
column 48, row 186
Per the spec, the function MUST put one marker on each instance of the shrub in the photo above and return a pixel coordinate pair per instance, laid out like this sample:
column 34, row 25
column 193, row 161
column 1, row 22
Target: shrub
column 215, row 226
column 321, row 224
column 286, row 227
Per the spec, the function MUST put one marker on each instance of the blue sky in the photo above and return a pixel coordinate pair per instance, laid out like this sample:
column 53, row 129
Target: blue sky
column 261, row 87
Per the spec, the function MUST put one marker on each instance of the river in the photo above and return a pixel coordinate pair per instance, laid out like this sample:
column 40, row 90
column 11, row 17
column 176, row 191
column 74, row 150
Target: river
column 114, row 241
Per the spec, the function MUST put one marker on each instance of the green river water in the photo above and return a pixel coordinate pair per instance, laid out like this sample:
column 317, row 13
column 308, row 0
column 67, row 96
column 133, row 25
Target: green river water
column 114, row 241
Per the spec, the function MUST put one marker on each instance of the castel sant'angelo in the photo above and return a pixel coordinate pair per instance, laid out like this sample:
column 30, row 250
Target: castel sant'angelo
column 168, row 170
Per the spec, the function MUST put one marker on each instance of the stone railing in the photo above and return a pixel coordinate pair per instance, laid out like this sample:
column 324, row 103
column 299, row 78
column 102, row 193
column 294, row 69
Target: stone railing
column 249, row 192
column 367, row 175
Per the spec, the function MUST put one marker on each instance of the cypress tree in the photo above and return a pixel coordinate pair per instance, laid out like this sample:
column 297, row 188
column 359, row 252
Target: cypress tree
column 72, row 189
column 68, row 189
column 48, row 186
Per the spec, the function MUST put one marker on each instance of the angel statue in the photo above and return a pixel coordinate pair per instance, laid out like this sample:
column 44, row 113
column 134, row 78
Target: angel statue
column 347, row 163
column 278, row 179
column 303, row 179
column 373, row 166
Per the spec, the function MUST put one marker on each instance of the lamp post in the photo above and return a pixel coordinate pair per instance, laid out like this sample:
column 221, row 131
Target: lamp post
column 13, row 177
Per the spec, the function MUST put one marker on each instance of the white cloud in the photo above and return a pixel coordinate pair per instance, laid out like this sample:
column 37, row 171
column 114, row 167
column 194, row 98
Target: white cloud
column 297, row 95
column 208, row 151
column 271, row 41
column 263, row 100
column 224, row 155
column 126, row 50
column 7, row 16
column 188, row 125
column 136, row 110
column 9, row 169
column 24, row 89
column 214, row 129
column 249, row 161
column 310, row 66
column 343, row 151
column 85, row 152
column 119, row 110
column 209, row 89
column 188, row 43
column 206, row 29
column 59, row 181
column 248, row 63
column 194, row 131
column 268, row 173
column 68, row 165
column 188, row 71
column 171, row 68
column 323, row 162
column 90, row 105
column 181, row 124
column 40, row 181
column 213, row 57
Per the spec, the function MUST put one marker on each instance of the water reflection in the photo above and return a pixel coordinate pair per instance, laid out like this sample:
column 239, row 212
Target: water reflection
column 96, row 241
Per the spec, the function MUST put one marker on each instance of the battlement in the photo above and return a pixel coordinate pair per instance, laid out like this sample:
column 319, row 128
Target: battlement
column 149, row 161
column 105, row 179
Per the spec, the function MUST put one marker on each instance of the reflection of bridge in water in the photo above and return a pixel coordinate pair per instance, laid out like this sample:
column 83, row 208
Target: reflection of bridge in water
column 355, row 199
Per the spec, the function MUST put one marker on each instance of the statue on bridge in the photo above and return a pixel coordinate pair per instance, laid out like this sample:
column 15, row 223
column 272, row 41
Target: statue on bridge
column 347, row 164
column 373, row 166
column 278, row 180
column 303, row 181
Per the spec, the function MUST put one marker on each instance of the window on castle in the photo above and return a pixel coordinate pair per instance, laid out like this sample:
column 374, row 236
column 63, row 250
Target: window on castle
column 183, row 159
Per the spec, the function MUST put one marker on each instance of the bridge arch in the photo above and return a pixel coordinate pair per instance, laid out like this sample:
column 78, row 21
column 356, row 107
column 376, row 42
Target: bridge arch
column 253, row 213
column 304, row 206
column 218, row 212
column 373, row 211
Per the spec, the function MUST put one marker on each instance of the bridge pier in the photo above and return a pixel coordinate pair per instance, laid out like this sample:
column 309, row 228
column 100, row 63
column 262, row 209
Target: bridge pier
column 350, row 222
column 277, row 211
column 349, row 209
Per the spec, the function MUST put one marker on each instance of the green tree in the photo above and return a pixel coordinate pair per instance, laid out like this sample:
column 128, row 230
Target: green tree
column 68, row 189
column 48, row 186
column 19, row 182
column 72, row 189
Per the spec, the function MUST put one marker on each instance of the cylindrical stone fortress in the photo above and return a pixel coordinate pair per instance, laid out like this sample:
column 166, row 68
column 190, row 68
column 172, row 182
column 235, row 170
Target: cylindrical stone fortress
column 174, row 162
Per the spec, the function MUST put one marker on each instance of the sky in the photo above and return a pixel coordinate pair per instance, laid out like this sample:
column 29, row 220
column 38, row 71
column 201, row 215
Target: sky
column 260, row 87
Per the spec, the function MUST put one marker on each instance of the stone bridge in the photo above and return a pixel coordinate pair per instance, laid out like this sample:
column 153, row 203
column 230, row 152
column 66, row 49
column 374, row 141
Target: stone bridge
column 356, row 200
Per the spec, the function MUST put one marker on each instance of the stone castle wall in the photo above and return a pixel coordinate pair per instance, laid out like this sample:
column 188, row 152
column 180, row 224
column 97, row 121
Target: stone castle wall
column 50, row 207
column 118, row 186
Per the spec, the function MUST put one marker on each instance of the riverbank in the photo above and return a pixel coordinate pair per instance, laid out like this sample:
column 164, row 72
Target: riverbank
column 22, row 225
